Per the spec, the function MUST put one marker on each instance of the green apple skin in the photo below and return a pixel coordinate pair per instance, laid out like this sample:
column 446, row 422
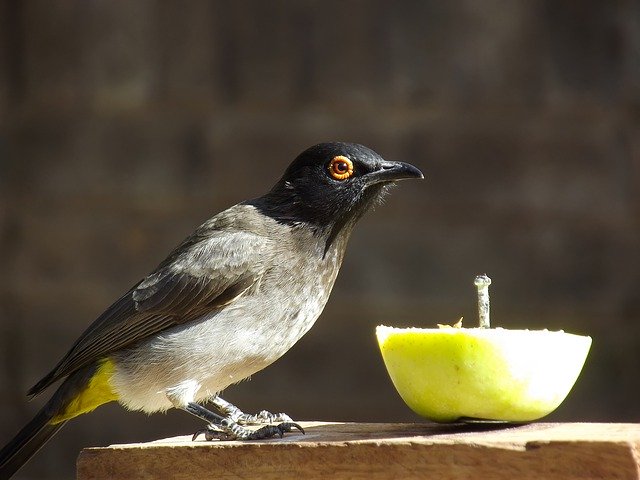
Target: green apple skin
column 491, row 374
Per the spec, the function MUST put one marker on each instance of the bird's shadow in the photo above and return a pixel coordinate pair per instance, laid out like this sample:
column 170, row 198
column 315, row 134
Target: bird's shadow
column 327, row 432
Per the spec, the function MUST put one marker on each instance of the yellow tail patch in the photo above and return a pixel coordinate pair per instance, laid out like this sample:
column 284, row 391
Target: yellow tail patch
column 97, row 392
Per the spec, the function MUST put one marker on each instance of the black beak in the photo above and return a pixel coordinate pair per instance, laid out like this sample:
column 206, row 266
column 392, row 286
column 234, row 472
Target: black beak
column 392, row 171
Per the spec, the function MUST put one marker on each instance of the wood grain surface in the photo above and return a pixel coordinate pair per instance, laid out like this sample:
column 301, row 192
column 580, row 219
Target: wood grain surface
column 386, row 451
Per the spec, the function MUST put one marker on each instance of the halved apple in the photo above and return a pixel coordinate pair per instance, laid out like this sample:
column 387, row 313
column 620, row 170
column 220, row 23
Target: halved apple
column 445, row 374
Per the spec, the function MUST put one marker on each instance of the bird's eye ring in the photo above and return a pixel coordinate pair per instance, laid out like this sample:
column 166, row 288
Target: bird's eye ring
column 340, row 167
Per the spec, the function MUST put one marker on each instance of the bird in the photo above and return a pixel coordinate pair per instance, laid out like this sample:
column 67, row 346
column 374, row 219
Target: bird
column 228, row 301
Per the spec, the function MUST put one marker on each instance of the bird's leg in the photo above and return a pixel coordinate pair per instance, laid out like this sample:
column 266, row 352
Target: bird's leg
column 229, row 410
column 225, row 428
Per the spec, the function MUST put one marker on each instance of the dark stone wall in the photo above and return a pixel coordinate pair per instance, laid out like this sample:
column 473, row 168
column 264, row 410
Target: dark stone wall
column 124, row 125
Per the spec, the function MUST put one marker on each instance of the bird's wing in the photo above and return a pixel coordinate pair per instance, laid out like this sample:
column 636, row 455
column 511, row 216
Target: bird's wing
column 203, row 274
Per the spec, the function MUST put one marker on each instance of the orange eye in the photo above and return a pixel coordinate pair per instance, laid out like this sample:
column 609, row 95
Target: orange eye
column 341, row 168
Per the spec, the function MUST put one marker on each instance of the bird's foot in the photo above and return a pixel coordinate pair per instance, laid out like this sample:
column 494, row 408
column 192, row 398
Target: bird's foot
column 228, row 410
column 264, row 417
column 228, row 429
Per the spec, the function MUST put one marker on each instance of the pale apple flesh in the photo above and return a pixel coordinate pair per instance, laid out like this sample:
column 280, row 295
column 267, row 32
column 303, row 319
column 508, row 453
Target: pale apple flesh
column 482, row 373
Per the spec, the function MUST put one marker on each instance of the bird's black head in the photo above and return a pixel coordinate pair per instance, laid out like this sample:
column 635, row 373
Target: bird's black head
column 332, row 185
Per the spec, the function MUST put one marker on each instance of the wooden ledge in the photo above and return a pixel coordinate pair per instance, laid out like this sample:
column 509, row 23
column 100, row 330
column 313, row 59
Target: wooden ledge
column 385, row 450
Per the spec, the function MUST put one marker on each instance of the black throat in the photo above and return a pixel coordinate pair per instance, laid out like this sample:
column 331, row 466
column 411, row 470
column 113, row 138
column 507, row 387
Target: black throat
column 327, row 219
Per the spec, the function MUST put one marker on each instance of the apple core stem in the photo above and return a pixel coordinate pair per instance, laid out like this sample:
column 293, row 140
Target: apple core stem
column 482, row 283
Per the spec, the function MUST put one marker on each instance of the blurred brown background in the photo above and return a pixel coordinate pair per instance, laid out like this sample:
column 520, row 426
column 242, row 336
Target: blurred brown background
column 124, row 125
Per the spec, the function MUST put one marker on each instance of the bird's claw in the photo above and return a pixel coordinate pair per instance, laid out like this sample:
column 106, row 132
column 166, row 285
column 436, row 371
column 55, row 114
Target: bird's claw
column 229, row 410
column 230, row 430
column 267, row 431
column 262, row 418
column 210, row 433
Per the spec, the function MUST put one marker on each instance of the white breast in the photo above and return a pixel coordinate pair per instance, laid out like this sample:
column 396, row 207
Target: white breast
column 196, row 361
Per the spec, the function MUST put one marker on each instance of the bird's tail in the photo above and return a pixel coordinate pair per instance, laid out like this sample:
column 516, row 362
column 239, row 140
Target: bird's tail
column 27, row 442
column 80, row 393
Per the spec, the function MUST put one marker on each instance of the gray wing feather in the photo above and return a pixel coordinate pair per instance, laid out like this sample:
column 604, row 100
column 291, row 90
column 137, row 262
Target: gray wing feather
column 200, row 276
